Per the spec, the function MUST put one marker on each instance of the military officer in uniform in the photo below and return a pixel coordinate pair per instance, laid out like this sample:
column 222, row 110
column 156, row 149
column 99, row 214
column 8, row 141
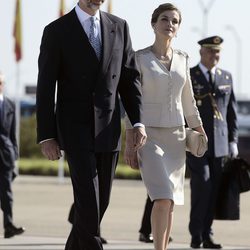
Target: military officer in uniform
column 213, row 90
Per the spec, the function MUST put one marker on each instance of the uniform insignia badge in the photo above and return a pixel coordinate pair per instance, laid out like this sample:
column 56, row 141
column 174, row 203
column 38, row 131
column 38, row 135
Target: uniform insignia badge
column 217, row 40
column 197, row 88
column 199, row 102
column 221, row 87
column 219, row 71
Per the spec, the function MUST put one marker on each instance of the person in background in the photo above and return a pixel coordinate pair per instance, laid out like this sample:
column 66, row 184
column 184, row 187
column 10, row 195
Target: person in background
column 145, row 229
column 86, row 62
column 8, row 156
column 167, row 102
column 213, row 89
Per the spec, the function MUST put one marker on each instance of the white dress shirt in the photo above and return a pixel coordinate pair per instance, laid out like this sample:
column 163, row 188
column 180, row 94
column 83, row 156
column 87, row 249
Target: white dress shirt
column 84, row 19
column 205, row 71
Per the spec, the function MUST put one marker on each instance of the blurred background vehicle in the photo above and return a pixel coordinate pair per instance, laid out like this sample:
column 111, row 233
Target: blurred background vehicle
column 244, row 128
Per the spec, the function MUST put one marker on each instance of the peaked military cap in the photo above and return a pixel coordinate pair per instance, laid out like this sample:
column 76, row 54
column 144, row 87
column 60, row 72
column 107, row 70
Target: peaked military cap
column 213, row 42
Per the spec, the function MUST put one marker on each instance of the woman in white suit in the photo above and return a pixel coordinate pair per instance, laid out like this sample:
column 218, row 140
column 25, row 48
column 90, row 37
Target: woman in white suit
column 167, row 102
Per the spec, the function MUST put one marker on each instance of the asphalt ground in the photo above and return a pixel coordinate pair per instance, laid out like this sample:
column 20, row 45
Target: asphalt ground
column 41, row 205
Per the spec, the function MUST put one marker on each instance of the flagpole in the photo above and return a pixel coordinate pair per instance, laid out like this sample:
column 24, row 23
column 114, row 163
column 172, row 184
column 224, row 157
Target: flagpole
column 61, row 161
column 17, row 34
column 18, row 111
column 109, row 10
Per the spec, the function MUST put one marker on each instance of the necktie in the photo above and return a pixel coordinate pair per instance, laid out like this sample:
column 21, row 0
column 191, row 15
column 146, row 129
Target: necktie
column 217, row 113
column 94, row 38
column 210, row 79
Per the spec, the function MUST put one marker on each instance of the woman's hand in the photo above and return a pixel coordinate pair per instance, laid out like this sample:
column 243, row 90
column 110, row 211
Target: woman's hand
column 202, row 131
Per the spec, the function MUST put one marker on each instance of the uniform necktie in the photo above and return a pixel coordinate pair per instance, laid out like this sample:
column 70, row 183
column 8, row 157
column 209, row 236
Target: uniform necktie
column 94, row 38
column 210, row 78
column 217, row 113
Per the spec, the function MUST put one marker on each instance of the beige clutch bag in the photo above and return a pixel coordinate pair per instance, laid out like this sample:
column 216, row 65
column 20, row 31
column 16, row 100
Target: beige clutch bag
column 196, row 143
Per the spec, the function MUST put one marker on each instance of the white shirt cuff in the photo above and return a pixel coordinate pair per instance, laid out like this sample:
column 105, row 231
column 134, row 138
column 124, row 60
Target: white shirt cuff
column 46, row 140
column 138, row 124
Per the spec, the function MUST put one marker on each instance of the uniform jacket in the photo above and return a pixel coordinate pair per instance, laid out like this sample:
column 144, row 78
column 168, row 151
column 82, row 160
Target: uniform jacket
column 219, row 131
column 8, row 142
column 167, row 94
column 87, row 112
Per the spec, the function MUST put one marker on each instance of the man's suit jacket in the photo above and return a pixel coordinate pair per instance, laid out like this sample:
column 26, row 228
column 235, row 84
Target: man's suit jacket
column 8, row 142
column 219, row 132
column 87, row 113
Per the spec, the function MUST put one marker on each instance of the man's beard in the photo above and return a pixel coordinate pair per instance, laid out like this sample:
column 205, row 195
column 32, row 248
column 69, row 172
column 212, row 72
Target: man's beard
column 93, row 6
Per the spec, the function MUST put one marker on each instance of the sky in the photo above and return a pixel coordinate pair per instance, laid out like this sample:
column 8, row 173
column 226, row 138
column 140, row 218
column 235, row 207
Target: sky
column 226, row 18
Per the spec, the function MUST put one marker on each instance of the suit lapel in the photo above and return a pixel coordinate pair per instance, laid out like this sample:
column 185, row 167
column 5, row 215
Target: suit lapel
column 108, row 29
column 108, row 37
column 204, row 80
column 81, row 40
column 1, row 112
column 203, row 77
column 6, row 108
column 76, row 26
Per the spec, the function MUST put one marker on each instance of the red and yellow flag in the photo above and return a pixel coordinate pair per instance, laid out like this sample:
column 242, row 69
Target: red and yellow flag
column 62, row 8
column 17, row 32
column 110, row 6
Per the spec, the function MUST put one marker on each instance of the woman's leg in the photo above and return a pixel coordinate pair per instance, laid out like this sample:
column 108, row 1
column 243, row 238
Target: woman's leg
column 161, row 222
column 170, row 223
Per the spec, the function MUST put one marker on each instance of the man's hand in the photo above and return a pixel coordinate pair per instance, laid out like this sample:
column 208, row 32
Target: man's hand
column 130, row 155
column 233, row 149
column 51, row 150
column 139, row 137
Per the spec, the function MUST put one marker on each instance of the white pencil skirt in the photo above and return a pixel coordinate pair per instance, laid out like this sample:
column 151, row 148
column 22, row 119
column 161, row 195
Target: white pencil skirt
column 162, row 163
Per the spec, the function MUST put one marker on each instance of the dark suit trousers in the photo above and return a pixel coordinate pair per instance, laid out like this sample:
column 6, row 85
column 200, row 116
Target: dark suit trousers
column 71, row 217
column 146, row 218
column 6, row 197
column 205, row 178
column 92, row 175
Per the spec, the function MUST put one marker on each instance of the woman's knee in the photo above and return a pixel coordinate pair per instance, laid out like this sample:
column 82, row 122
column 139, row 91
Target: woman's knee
column 164, row 204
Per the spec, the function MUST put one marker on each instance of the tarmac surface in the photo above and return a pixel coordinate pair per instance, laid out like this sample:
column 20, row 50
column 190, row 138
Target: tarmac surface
column 41, row 205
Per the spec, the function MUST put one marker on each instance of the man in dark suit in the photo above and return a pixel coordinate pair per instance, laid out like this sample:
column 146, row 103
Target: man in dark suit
column 86, row 60
column 8, row 155
column 213, row 89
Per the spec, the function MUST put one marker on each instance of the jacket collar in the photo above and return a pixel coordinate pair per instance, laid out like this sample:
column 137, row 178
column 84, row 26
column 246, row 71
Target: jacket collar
column 108, row 36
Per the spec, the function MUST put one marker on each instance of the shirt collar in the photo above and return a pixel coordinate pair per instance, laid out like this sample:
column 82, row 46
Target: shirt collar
column 83, row 16
column 204, row 69
column 1, row 97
